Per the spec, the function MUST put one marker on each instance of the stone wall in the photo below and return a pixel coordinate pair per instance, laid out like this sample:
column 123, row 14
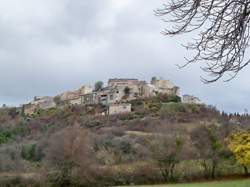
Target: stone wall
column 119, row 108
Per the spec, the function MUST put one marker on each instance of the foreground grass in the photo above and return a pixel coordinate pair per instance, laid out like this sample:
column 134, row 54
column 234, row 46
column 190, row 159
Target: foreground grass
column 237, row 183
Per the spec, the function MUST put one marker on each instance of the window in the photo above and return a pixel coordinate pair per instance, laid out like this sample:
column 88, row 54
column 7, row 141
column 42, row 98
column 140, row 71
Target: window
column 111, row 97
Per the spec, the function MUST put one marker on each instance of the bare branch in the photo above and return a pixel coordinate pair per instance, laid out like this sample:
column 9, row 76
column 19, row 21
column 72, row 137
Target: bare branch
column 224, row 33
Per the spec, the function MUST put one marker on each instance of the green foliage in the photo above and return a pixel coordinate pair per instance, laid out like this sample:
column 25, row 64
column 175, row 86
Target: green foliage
column 5, row 136
column 47, row 127
column 57, row 100
column 137, row 102
column 98, row 85
column 236, row 183
column 126, row 90
column 93, row 124
column 153, row 80
column 31, row 153
column 12, row 112
column 168, row 98
column 175, row 108
column 152, row 106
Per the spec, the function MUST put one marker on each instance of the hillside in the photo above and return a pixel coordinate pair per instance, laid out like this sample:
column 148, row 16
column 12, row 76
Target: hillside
column 158, row 142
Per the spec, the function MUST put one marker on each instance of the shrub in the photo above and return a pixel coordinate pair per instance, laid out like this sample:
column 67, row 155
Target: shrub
column 153, row 106
column 175, row 108
column 168, row 98
column 31, row 153
column 5, row 136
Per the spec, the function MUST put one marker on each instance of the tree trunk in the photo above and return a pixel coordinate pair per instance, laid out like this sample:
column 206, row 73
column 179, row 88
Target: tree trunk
column 165, row 174
column 246, row 171
column 172, row 172
column 214, row 165
column 204, row 165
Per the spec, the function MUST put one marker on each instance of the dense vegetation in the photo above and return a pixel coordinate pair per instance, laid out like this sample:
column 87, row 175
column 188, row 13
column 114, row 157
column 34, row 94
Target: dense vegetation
column 161, row 141
column 230, row 183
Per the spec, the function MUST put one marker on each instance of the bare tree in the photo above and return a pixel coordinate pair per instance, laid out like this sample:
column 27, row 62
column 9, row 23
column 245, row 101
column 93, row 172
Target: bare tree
column 223, row 38
column 70, row 152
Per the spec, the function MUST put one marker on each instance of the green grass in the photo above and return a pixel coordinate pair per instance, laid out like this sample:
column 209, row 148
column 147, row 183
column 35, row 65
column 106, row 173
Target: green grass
column 237, row 183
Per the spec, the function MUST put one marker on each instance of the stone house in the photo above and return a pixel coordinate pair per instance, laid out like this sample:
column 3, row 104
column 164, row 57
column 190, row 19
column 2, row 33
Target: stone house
column 117, row 91
column 121, row 108
column 85, row 90
column 148, row 90
column 190, row 99
column 102, row 96
column 74, row 95
column 89, row 99
column 74, row 101
column 166, row 87
column 113, row 82
column 44, row 102
column 125, row 89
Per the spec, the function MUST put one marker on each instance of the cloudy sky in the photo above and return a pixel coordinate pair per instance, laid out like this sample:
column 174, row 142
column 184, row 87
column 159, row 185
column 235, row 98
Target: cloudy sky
column 50, row 46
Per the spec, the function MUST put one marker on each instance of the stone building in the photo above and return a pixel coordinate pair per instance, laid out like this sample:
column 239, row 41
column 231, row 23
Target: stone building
column 73, row 96
column 190, row 99
column 121, row 108
column 117, row 91
column 89, row 99
column 44, row 102
column 115, row 81
column 166, row 87
column 73, row 101
column 125, row 89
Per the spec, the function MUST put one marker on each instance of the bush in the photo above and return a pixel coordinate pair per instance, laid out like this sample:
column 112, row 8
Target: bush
column 168, row 98
column 153, row 106
column 19, row 182
column 175, row 108
column 5, row 136
column 31, row 153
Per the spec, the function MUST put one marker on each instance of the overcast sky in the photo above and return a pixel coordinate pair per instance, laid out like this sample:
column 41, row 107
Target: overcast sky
column 50, row 46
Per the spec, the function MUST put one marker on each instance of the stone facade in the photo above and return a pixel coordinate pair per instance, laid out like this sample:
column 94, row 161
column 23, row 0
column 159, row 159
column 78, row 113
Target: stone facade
column 73, row 95
column 74, row 101
column 122, row 108
column 189, row 99
column 166, row 87
column 44, row 102
column 116, row 92
column 89, row 99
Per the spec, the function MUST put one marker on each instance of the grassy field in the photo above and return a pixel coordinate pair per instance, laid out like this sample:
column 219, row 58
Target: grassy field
column 237, row 183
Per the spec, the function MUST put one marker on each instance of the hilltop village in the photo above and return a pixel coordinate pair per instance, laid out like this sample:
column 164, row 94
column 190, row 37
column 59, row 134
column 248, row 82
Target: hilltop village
column 116, row 95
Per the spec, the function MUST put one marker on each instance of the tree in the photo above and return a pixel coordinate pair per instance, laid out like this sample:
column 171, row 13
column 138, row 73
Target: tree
column 98, row 85
column 70, row 152
column 153, row 80
column 209, row 148
column 57, row 100
column 13, row 112
column 239, row 144
column 167, row 152
column 224, row 28
column 126, row 90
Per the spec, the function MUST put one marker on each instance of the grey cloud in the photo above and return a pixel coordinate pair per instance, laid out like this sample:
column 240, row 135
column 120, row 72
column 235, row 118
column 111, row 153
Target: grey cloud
column 51, row 46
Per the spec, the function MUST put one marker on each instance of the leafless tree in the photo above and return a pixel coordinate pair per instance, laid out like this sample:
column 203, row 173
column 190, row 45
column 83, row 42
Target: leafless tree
column 71, row 153
column 223, row 27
